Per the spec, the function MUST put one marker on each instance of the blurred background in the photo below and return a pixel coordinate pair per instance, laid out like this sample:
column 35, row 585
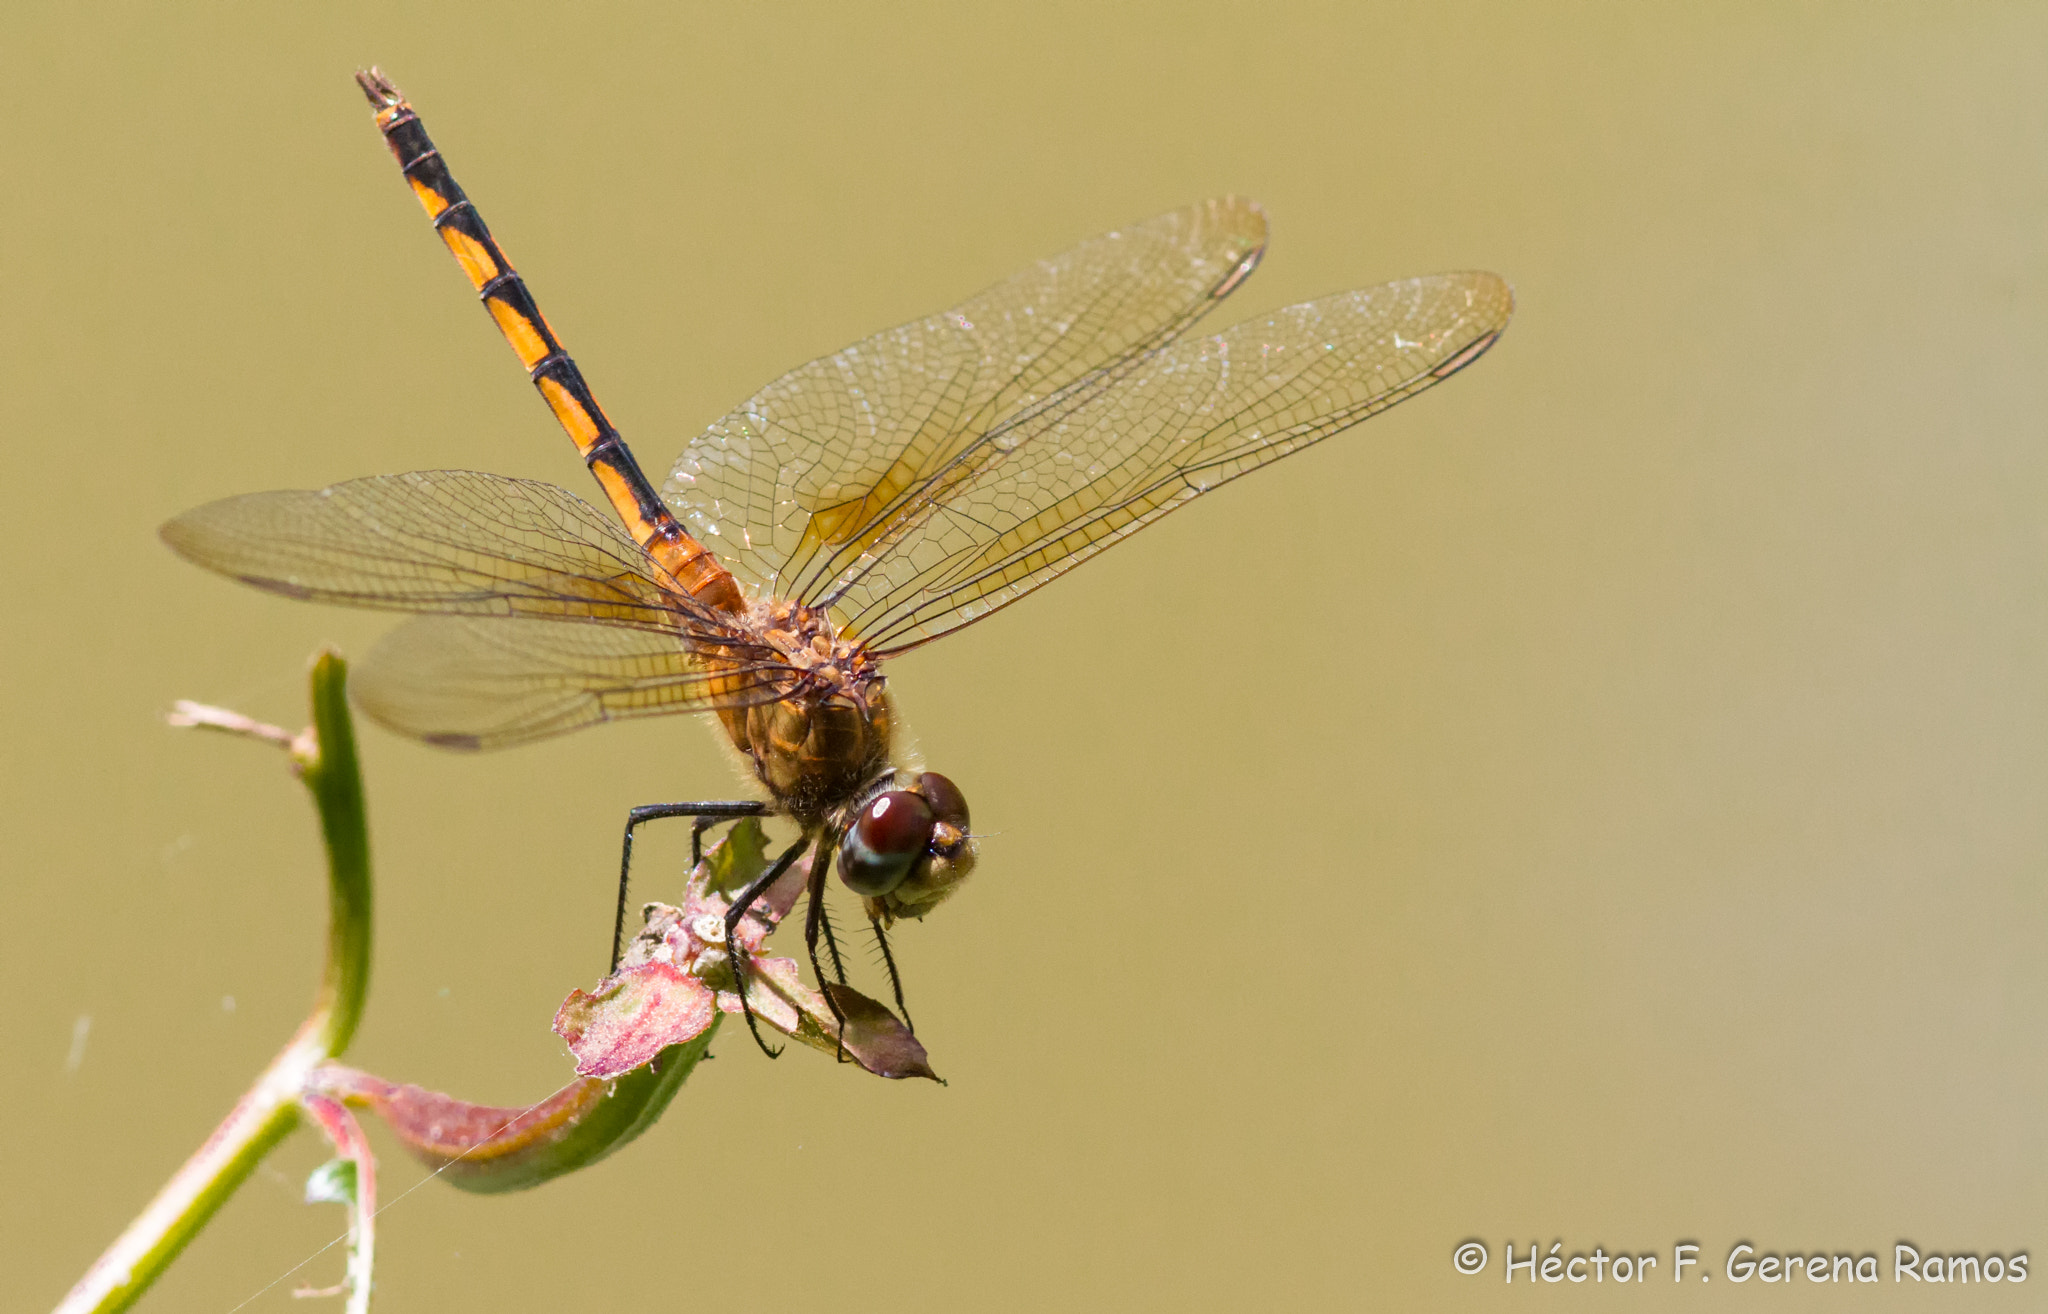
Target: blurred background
column 1598, row 802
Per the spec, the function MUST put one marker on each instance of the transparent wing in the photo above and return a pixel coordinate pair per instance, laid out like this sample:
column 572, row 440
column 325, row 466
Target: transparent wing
column 490, row 682
column 1048, row 493
column 490, row 559
column 802, row 478
column 451, row 541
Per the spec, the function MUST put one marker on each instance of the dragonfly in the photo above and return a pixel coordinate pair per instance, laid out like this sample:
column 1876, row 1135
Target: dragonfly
column 858, row 507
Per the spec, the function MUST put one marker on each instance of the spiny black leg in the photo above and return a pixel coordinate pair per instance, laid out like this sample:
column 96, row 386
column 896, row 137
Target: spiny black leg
column 697, row 829
column 831, row 947
column 733, row 915
column 831, row 940
column 895, row 981
column 654, row 812
column 815, row 920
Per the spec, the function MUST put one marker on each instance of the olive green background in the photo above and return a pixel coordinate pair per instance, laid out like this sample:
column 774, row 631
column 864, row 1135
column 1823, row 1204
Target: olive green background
column 1600, row 801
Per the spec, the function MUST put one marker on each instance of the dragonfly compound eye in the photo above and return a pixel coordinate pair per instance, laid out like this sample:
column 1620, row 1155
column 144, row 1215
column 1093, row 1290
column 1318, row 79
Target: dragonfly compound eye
column 950, row 850
column 885, row 842
column 948, row 803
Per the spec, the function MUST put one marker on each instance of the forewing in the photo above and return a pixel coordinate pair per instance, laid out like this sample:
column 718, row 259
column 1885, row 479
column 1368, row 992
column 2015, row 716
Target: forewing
column 450, row 541
column 793, row 486
column 1050, row 493
column 494, row 681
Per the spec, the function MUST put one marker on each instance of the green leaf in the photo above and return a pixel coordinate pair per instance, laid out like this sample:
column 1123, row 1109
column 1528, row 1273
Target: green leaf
column 333, row 1182
column 742, row 857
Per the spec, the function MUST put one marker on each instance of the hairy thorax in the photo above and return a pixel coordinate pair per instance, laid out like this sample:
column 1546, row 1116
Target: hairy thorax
column 815, row 747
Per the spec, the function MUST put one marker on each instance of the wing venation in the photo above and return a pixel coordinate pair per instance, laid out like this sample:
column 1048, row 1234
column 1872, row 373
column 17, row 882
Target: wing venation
column 496, row 681
column 451, row 541
column 1186, row 420
column 805, row 477
column 540, row 615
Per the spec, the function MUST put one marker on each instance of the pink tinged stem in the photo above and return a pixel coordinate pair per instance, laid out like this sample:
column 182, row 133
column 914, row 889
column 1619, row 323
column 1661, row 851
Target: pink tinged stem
column 360, row 1195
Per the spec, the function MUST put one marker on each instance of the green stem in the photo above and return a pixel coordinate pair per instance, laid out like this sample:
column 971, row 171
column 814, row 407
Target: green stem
column 332, row 773
column 326, row 760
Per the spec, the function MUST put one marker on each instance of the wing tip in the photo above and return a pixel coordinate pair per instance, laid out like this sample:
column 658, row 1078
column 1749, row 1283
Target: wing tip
column 1507, row 293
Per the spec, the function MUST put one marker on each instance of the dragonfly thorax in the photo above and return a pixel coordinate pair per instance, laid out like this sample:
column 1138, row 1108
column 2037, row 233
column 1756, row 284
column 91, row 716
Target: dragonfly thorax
column 817, row 745
column 805, row 639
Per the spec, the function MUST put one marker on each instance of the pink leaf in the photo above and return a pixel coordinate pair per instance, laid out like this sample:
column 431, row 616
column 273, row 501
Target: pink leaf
column 633, row 1016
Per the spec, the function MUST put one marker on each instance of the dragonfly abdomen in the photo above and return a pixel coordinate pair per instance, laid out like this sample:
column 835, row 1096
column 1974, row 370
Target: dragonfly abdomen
column 561, row 384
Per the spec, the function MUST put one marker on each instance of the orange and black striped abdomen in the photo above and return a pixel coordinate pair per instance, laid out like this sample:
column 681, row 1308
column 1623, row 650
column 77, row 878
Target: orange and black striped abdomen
column 505, row 296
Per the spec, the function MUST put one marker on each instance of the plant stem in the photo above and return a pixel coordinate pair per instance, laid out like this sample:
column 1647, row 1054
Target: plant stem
column 326, row 760
column 335, row 778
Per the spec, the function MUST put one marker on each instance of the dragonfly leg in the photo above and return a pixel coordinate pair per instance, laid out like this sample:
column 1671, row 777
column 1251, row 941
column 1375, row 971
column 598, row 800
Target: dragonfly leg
column 707, row 814
column 740, row 904
column 895, row 981
column 820, row 918
column 697, row 829
column 815, row 921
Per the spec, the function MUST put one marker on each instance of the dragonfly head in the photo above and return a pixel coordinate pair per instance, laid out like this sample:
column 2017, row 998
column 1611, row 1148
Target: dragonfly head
column 907, row 849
